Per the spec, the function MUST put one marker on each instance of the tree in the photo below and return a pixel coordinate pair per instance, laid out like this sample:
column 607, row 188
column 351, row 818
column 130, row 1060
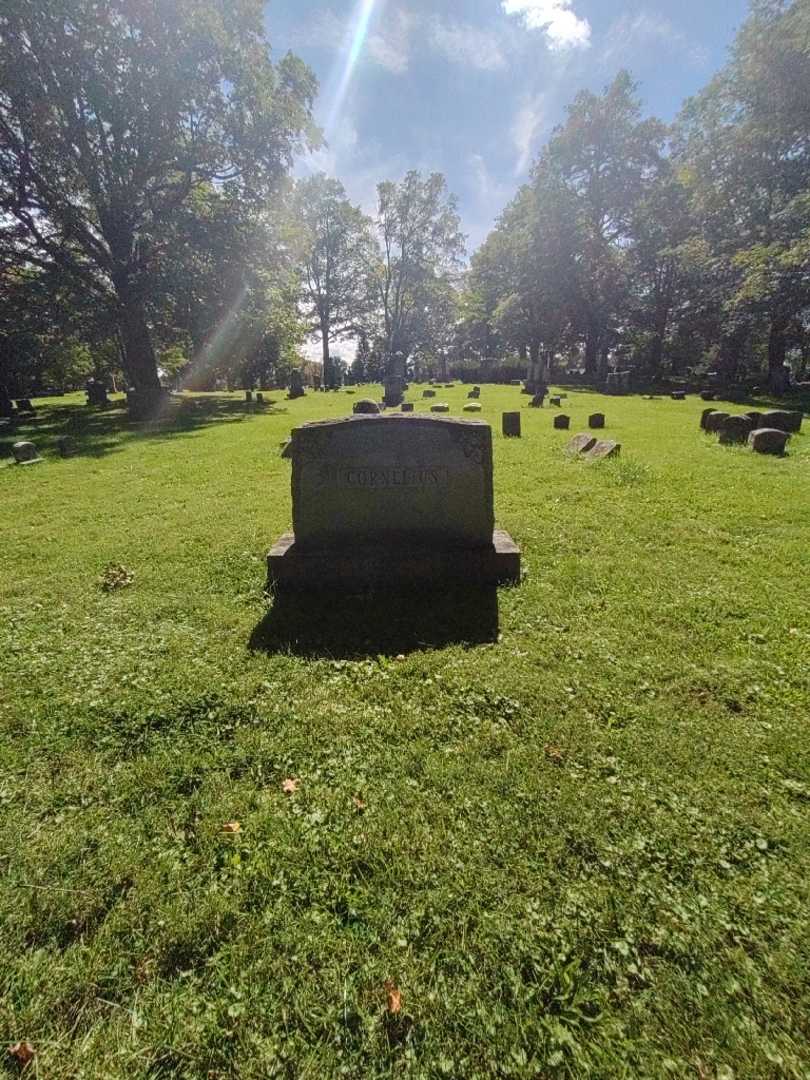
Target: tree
column 336, row 253
column 421, row 249
column 111, row 115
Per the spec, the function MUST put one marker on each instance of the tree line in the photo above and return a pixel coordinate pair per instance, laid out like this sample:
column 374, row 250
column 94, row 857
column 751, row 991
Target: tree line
column 149, row 224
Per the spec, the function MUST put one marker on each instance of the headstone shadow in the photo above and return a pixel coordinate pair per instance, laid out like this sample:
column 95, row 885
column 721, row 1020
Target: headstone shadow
column 324, row 625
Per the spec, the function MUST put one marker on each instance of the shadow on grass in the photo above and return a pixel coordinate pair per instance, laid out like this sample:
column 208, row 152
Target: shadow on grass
column 95, row 432
column 326, row 626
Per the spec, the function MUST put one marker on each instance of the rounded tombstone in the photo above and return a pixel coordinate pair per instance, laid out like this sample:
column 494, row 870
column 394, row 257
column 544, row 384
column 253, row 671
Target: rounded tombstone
column 562, row 422
column 735, row 429
column 755, row 417
column 440, row 407
column 25, row 453
column 596, row 420
column 714, row 421
column 472, row 406
column 366, row 407
column 678, row 395
column 768, row 441
column 708, row 395
column 703, row 417
column 782, row 419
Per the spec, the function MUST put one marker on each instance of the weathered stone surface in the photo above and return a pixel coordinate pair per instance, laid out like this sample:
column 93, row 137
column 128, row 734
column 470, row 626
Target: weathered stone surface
column 580, row 444
column 406, row 406
column 735, row 429
column 562, row 422
column 604, row 448
column 706, row 413
column 428, row 393
column 366, row 407
column 96, row 393
column 768, row 440
column 756, row 417
column 510, row 425
column 782, row 419
column 25, row 453
column 472, row 406
column 442, row 406
column 715, row 420
column 371, row 479
column 596, row 420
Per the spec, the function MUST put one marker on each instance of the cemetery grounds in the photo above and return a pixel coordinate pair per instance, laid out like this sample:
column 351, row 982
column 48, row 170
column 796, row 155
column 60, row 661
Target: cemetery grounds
column 582, row 850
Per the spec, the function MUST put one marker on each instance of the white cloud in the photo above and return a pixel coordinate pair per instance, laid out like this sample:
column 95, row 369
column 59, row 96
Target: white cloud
column 390, row 46
column 563, row 28
column 462, row 43
column 643, row 35
column 526, row 126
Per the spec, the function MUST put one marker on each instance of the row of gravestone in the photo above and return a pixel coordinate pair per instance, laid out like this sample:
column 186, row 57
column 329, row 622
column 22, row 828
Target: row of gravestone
column 9, row 410
column 765, row 432
column 26, row 453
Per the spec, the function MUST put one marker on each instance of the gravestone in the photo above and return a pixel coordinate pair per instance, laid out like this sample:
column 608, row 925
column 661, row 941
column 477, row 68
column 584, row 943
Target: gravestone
column 96, row 393
column 708, row 395
column 703, row 416
column 580, row 444
column 768, row 441
column 774, row 418
column 618, row 382
column 24, row 407
column 715, row 420
column 510, row 425
column 365, row 406
column 390, row 501
column 6, row 404
column 428, row 393
column 515, row 382
column 442, row 406
column 25, row 453
column 562, row 422
column 259, row 398
column 296, row 385
column 407, row 406
column 756, row 417
column 678, row 395
column 735, row 429
column 604, row 448
column 556, row 400
column 248, row 396
column 596, row 420
column 475, row 393
column 472, row 406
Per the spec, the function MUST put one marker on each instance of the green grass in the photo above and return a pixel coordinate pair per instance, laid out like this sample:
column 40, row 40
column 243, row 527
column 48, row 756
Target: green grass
column 584, row 849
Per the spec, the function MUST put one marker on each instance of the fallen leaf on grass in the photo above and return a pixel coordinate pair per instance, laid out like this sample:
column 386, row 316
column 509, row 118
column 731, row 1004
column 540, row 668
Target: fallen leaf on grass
column 232, row 827
column 393, row 997
column 554, row 753
column 358, row 802
column 290, row 785
column 115, row 576
column 22, row 1051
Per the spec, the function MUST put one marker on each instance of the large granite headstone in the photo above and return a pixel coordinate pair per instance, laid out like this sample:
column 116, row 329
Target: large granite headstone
column 768, row 441
column 777, row 418
column 735, row 429
column 392, row 500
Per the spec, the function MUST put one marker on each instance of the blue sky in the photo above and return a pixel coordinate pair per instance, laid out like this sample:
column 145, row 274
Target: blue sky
column 472, row 88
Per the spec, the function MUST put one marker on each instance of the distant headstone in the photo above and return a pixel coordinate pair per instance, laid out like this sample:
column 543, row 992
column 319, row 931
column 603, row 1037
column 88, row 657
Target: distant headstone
column 406, row 406
column 562, row 422
column 475, row 393
column 248, row 396
column 296, row 385
column 735, row 429
column 259, row 398
column 555, row 400
column 580, row 444
column 24, row 407
column 365, row 406
column 441, row 406
column 678, row 395
column 510, row 425
column 96, row 393
column 604, row 448
column 596, row 420
column 515, row 382
column 472, row 406
column 778, row 418
column 706, row 413
column 708, row 395
column 391, row 501
column 25, row 453
column 66, row 446
column 768, row 441
column 428, row 393
column 715, row 420
column 756, row 417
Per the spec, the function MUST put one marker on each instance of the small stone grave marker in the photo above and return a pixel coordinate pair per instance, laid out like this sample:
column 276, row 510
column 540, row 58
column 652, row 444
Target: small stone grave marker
column 715, row 420
column 703, row 416
column 66, row 446
column 510, row 425
column 768, row 441
column 365, row 406
column 562, row 422
column 556, row 400
column 580, row 444
column 428, row 393
column 472, row 406
column 678, row 395
column 406, row 406
column 604, row 448
column 596, row 420
column 442, row 406
column 735, row 429
column 25, row 453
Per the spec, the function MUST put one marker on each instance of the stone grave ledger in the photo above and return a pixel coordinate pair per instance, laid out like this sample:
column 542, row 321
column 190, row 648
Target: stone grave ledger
column 392, row 501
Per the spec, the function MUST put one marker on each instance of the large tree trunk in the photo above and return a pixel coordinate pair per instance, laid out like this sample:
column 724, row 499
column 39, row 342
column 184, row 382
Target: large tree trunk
column 138, row 352
column 778, row 380
column 591, row 353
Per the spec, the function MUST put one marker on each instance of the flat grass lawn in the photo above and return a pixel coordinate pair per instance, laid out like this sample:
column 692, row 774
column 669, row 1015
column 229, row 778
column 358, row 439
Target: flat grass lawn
column 581, row 850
